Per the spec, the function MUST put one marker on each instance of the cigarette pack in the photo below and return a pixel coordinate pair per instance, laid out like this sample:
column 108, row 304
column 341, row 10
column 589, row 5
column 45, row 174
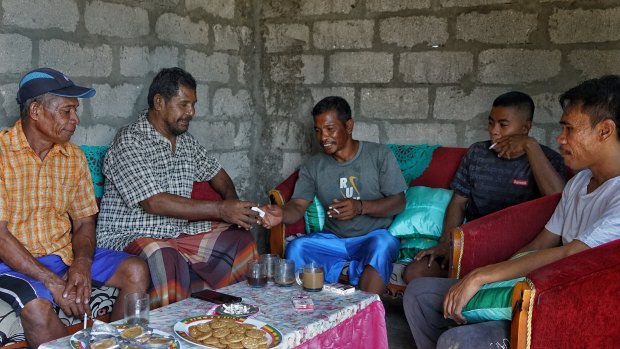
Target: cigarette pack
column 303, row 303
column 339, row 288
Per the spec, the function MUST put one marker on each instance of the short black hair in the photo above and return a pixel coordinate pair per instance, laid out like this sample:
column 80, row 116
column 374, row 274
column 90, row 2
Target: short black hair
column 599, row 98
column 517, row 100
column 166, row 83
column 335, row 103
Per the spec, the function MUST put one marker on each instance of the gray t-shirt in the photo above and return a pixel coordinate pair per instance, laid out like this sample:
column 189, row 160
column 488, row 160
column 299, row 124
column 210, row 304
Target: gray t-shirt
column 372, row 174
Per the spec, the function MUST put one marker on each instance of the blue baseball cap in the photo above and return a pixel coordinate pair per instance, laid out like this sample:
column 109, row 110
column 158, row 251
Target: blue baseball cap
column 47, row 80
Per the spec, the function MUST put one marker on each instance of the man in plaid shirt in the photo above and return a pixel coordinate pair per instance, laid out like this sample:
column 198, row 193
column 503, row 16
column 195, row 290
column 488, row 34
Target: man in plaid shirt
column 47, row 214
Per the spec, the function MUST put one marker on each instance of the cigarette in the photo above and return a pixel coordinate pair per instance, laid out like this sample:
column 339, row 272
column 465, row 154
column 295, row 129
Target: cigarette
column 492, row 146
column 338, row 212
column 261, row 213
column 85, row 320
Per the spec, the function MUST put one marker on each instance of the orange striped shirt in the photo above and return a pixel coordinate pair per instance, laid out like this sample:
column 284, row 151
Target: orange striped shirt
column 38, row 198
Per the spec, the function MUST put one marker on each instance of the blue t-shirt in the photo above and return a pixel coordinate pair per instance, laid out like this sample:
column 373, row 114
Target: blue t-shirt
column 492, row 183
column 372, row 174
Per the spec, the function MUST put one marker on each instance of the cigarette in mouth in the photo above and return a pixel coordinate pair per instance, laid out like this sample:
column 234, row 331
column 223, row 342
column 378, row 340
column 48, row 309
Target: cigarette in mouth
column 492, row 146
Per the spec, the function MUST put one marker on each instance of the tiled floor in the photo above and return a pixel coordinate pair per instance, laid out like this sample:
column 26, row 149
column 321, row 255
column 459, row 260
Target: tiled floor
column 399, row 335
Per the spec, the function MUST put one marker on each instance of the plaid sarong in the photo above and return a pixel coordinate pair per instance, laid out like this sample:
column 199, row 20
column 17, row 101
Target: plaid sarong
column 188, row 263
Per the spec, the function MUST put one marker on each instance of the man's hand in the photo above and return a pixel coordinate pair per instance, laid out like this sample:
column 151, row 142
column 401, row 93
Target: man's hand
column 273, row 216
column 68, row 304
column 345, row 209
column 458, row 296
column 238, row 212
column 78, row 283
column 441, row 250
column 511, row 147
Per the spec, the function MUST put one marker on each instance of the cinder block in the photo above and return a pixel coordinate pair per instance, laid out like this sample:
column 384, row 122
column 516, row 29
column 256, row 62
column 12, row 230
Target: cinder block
column 394, row 103
column 207, row 68
column 49, row 14
column 595, row 63
column 286, row 37
column 361, row 67
column 226, row 37
column 98, row 134
column 290, row 163
column 15, row 53
column 547, row 108
column 348, row 93
column 8, row 93
column 452, row 103
column 435, row 67
column 222, row 135
column 496, row 27
column 412, row 31
column 227, row 104
column 220, row 8
column 241, row 71
column 574, row 26
column 286, row 135
column 116, row 20
column 182, row 30
column 238, row 166
column 202, row 105
column 329, row 35
column 421, row 133
column 322, row 7
column 290, row 69
column 117, row 102
column 74, row 60
column 396, row 5
column 471, row 3
column 365, row 131
column 509, row 66
column 138, row 61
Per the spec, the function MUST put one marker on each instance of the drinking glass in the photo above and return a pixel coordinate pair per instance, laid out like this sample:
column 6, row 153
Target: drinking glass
column 312, row 277
column 257, row 275
column 269, row 260
column 284, row 273
column 137, row 308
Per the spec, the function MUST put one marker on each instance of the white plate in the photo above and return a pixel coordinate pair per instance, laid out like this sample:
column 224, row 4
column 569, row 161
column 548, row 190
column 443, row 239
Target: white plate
column 77, row 343
column 181, row 328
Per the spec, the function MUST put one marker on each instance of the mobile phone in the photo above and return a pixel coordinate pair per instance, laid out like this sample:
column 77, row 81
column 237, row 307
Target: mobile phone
column 216, row 297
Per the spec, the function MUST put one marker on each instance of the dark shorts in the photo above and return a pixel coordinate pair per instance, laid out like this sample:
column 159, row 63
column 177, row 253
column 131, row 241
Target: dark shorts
column 18, row 289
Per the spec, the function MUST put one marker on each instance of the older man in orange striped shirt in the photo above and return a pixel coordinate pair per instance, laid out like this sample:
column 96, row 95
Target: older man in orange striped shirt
column 47, row 214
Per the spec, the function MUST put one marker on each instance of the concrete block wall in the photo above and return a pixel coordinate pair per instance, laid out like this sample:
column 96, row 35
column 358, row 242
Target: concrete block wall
column 414, row 71
column 425, row 71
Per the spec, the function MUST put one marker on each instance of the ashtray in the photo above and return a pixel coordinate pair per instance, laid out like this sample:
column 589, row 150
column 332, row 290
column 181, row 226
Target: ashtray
column 236, row 309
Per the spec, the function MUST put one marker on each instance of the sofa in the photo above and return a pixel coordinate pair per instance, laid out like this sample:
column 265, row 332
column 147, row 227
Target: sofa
column 438, row 174
column 570, row 303
column 103, row 298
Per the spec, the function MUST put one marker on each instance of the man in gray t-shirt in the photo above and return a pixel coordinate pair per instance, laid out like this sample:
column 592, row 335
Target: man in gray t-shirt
column 361, row 187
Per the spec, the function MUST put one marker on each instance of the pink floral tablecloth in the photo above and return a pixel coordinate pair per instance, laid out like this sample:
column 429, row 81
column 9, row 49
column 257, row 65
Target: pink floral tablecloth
column 351, row 321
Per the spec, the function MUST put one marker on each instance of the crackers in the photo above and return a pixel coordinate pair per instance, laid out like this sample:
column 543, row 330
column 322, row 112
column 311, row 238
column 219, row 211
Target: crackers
column 226, row 333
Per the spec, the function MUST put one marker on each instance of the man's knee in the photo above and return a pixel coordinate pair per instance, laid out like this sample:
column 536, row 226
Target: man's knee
column 133, row 270
column 418, row 269
column 37, row 312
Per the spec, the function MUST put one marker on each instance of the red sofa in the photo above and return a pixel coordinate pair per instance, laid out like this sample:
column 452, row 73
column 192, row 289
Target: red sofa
column 438, row 174
column 571, row 303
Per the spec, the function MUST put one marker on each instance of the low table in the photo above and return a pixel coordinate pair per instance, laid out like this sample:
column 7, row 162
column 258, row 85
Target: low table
column 338, row 321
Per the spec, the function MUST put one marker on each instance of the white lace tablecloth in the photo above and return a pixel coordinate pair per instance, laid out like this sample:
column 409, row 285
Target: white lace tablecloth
column 276, row 309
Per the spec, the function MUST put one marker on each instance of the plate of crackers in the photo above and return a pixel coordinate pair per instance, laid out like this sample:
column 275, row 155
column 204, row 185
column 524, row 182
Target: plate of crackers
column 223, row 331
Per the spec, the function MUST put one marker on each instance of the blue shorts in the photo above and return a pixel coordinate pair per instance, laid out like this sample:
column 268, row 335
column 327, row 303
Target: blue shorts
column 379, row 249
column 18, row 289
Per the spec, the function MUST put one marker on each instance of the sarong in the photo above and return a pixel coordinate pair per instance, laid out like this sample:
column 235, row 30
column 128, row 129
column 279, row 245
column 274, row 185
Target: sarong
column 188, row 263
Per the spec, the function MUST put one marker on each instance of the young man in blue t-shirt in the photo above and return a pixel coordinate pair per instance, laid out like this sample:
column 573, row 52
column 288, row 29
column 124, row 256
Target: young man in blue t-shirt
column 508, row 169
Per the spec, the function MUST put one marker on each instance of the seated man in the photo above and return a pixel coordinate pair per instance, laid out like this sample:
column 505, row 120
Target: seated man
column 506, row 170
column 361, row 187
column 47, row 214
column 587, row 216
column 147, row 210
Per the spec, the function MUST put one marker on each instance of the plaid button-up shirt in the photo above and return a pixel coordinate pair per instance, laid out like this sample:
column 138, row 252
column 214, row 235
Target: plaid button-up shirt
column 139, row 164
column 38, row 198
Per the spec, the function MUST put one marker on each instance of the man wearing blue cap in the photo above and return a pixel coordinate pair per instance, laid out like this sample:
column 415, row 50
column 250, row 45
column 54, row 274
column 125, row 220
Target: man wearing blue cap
column 47, row 214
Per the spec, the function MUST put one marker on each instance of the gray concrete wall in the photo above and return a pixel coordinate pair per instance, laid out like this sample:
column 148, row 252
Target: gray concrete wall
column 414, row 71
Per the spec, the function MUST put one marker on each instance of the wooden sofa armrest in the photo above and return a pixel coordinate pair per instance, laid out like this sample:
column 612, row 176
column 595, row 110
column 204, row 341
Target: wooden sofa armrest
column 570, row 303
column 277, row 234
column 496, row 237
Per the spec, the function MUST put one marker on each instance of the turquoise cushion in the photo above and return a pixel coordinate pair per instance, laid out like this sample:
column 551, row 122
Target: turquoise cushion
column 423, row 214
column 314, row 217
column 409, row 248
column 493, row 301
column 95, row 155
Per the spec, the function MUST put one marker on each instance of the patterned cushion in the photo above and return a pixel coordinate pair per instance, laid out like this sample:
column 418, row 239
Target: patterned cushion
column 11, row 331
